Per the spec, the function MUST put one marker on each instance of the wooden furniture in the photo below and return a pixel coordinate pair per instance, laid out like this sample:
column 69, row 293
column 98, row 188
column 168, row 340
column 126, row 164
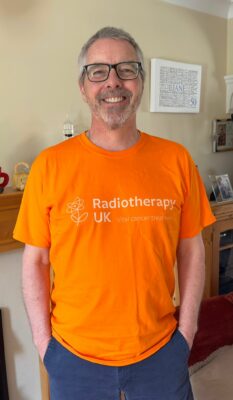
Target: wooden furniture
column 10, row 201
column 212, row 236
column 212, row 241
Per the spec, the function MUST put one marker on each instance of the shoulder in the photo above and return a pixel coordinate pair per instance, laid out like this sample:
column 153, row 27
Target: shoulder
column 169, row 147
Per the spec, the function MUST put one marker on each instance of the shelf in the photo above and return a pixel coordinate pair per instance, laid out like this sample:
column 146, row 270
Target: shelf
column 10, row 201
column 226, row 247
column 222, row 210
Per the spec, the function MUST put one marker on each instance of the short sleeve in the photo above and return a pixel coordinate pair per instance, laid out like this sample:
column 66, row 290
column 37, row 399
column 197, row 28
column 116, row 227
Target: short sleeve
column 32, row 225
column 196, row 213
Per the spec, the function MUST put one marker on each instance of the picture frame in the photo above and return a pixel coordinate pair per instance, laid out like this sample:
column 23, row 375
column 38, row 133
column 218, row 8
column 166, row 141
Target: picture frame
column 222, row 187
column 222, row 135
column 175, row 86
column 225, row 187
column 216, row 192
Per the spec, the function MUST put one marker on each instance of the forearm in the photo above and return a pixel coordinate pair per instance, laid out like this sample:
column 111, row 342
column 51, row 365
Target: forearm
column 191, row 272
column 36, row 292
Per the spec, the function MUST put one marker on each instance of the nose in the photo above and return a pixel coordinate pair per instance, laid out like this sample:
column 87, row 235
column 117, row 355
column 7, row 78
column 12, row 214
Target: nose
column 113, row 79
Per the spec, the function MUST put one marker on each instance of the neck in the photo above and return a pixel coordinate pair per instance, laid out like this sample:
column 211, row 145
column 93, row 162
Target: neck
column 113, row 139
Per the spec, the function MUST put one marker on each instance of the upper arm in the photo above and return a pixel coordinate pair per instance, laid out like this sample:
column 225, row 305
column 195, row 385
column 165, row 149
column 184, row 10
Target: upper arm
column 36, row 255
column 189, row 248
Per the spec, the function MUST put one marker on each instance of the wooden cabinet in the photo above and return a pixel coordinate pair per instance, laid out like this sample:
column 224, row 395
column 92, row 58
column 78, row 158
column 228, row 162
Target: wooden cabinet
column 218, row 238
column 212, row 237
column 10, row 201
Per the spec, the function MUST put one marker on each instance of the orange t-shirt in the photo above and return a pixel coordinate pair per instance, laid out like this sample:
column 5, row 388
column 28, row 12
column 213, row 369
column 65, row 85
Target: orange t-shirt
column 112, row 221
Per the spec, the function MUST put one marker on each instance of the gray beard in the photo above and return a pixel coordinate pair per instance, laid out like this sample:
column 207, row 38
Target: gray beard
column 115, row 119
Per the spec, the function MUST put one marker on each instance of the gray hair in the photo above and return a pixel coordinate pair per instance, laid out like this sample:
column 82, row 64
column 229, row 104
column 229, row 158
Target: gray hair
column 109, row 33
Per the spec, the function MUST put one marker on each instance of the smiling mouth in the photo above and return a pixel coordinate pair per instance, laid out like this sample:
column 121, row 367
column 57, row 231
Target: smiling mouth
column 114, row 99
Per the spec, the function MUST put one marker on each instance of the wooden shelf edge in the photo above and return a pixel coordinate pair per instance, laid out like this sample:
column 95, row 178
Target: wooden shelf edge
column 10, row 201
column 10, row 246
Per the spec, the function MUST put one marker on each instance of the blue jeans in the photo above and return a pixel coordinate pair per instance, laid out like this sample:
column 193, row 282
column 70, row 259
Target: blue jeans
column 162, row 376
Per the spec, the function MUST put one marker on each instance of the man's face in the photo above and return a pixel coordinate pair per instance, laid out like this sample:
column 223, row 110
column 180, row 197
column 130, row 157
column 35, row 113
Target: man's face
column 113, row 101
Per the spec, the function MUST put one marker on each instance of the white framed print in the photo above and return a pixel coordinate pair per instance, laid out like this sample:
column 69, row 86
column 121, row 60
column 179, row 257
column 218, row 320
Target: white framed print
column 175, row 86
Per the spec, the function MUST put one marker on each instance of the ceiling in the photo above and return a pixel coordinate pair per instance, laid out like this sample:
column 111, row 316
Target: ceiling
column 220, row 8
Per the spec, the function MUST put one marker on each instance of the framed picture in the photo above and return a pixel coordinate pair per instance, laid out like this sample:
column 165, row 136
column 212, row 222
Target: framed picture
column 222, row 135
column 222, row 188
column 175, row 86
column 225, row 187
column 215, row 188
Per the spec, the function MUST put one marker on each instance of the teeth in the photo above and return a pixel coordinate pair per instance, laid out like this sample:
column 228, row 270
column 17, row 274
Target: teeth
column 113, row 99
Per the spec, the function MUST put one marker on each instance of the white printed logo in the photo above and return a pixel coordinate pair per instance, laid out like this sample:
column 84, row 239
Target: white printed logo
column 101, row 213
column 75, row 209
column 133, row 202
column 102, row 216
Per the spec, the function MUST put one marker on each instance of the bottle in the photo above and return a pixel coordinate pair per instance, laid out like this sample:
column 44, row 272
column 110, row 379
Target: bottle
column 68, row 128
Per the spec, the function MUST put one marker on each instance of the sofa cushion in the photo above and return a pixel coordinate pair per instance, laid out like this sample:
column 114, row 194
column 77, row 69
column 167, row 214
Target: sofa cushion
column 212, row 379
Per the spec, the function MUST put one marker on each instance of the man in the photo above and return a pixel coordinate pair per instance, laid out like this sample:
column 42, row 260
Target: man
column 111, row 210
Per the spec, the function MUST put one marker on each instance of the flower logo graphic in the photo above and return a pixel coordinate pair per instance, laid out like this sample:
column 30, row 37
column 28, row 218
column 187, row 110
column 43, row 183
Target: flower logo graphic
column 75, row 209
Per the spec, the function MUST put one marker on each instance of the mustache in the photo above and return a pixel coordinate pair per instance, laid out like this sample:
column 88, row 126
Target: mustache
column 119, row 92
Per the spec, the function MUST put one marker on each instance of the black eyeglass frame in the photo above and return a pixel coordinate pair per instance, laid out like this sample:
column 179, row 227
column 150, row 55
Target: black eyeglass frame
column 114, row 66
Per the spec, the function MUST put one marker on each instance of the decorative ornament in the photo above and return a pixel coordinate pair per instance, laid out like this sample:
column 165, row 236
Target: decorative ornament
column 4, row 179
column 21, row 172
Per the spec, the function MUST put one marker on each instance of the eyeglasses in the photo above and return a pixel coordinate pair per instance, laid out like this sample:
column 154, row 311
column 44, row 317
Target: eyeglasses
column 125, row 70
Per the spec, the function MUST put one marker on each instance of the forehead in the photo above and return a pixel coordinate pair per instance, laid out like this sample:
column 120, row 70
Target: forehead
column 110, row 51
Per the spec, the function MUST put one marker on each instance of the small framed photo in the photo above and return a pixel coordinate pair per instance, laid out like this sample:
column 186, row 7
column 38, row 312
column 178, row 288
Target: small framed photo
column 217, row 196
column 222, row 188
column 225, row 187
column 222, row 135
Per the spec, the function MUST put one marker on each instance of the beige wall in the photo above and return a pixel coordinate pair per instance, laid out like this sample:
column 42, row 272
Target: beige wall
column 39, row 42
